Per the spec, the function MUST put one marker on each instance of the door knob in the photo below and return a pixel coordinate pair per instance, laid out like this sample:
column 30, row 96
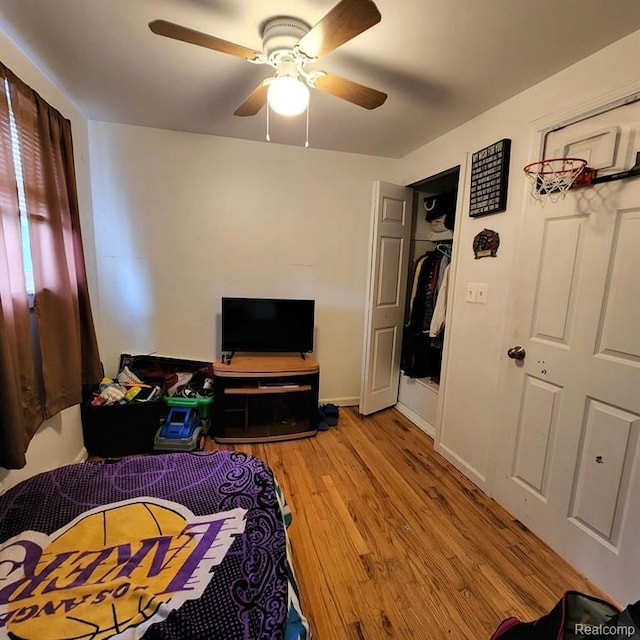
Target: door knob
column 517, row 353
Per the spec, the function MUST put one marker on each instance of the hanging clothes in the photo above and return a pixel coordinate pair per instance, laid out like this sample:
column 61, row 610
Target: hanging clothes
column 424, row 301
column 414, row 289
column 421, row 354
column 440, row 311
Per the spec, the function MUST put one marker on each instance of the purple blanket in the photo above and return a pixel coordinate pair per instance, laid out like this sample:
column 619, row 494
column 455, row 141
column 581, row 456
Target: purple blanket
column 180, row 546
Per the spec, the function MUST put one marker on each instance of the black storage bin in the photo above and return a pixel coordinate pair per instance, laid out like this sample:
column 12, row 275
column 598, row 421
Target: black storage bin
column 111, row 431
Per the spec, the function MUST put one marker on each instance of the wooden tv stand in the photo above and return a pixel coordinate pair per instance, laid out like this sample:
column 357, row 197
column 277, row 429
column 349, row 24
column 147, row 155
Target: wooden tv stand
column 261, row 398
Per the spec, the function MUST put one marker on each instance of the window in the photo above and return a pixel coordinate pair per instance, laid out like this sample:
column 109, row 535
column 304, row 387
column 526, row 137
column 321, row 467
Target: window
column 24, row 221
column 46, row 318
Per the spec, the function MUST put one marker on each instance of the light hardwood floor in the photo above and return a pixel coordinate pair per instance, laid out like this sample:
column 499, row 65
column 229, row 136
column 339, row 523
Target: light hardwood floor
column 391, row 541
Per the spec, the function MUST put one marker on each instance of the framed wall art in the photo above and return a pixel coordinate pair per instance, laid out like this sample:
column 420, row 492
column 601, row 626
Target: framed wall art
column 490, row 178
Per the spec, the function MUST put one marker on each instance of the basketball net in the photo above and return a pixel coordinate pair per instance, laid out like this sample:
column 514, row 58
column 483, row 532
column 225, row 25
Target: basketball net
column 551, row 179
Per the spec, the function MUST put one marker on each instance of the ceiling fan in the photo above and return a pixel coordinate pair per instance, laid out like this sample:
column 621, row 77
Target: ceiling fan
column 289, row 45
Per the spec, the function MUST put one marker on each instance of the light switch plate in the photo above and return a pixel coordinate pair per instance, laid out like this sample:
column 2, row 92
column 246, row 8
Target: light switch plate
column 472, row 292
column 482, row 293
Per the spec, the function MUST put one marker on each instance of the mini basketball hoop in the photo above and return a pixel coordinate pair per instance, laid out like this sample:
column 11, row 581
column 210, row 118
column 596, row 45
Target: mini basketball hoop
column 553, row 178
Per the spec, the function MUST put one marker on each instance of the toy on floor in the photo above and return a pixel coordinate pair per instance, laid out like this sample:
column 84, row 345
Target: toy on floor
column 185, row 425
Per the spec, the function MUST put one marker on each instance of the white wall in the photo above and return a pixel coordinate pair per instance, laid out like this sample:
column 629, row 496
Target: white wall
column 476, row 342
column 59, row 440
column 184, row 219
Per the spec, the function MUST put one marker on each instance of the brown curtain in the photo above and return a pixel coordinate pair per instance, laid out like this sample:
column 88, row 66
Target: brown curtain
column 67, row 343
column 20, row 409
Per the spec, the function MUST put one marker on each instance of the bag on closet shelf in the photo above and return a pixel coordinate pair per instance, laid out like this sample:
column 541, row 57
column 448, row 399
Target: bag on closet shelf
column 576, row 616
column 440, row 205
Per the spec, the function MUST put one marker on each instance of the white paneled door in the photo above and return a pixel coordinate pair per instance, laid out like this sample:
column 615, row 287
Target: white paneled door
column 386, row 294
column 570, row 462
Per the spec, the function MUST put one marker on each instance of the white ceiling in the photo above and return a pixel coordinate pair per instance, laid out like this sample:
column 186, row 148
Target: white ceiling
column 441, row 61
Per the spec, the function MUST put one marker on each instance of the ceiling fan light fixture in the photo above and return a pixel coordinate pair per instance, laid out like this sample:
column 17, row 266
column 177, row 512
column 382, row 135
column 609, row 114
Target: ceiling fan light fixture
column 289, row 45
column 288, row 96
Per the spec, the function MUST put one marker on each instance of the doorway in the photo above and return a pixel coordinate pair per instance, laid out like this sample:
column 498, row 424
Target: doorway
column 393, row 225
column 431, row 237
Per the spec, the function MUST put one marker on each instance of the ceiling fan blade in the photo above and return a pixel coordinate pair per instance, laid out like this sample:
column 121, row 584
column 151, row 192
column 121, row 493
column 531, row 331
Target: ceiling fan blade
column 177, row 32
column 351, row 91
column 256, row 100
column 345, row 21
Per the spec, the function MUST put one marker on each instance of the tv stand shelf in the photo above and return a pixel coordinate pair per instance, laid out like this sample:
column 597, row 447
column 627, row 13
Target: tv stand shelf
column 260, row 398
column 252, row 390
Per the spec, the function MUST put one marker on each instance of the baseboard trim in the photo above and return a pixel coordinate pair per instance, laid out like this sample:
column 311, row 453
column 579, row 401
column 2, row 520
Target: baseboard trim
column 341, row 402
column 477, row 478
column 421, row 423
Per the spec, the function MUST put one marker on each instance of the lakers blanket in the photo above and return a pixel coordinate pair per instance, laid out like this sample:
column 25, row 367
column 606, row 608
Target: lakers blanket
column 178, row 546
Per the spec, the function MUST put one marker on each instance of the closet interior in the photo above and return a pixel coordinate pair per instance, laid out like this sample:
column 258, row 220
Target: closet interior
column 432, row 235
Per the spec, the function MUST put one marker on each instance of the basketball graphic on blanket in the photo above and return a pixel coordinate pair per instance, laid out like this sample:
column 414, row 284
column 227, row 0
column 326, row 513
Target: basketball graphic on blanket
column 119, row 566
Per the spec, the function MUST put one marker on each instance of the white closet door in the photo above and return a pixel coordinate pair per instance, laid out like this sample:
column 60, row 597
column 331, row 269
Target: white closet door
column 388, row 266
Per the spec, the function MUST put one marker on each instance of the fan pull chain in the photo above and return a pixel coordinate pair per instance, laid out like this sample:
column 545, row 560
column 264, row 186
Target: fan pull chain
column 268, row 136
column 306, row 140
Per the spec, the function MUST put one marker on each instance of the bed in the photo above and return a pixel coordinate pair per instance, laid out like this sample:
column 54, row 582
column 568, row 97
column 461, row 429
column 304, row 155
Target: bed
column 181, row 546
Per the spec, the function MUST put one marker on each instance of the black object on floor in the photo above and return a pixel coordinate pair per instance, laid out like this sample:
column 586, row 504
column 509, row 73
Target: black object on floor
column 329, row 414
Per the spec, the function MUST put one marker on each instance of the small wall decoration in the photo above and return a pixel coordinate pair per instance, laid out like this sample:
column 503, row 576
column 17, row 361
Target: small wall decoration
column 489, row 179
column 486, row 243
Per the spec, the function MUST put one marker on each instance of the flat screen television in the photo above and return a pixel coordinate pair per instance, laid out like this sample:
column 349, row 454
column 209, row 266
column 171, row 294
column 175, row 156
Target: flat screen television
column 267, row 325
